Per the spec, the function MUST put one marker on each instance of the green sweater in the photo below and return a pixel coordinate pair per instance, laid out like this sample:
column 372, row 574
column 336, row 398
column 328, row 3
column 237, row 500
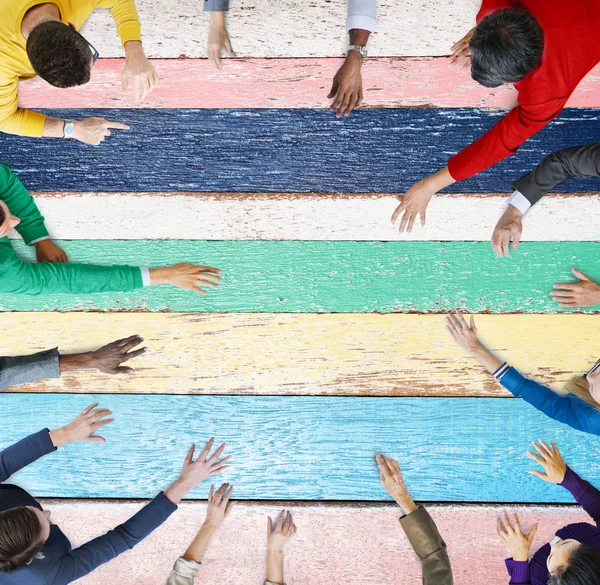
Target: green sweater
column 18, row 276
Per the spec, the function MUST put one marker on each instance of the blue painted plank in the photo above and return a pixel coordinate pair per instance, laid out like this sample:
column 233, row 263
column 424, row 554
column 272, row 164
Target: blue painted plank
column 383, row 150
column 295, row 448
column 332, row 277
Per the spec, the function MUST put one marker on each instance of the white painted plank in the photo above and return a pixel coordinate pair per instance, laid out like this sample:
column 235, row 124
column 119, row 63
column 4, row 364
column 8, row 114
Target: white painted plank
column 222, row 216
column 288, row 28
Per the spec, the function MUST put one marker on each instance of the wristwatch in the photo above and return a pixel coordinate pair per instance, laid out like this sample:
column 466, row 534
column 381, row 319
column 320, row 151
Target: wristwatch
column 360, row 49
column 69, row 130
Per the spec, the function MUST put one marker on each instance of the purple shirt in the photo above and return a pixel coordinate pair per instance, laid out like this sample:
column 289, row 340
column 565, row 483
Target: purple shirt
column 535, row 571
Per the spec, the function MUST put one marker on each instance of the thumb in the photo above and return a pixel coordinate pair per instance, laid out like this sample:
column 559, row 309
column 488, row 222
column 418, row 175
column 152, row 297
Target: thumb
column 124, row 370
column 230, row 50
column 334, row 88
column 533, row 531
column 580, row 275
column 95, row 439
column 124, row 80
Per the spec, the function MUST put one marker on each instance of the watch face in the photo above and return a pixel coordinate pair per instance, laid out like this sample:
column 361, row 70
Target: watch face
column 69, row 129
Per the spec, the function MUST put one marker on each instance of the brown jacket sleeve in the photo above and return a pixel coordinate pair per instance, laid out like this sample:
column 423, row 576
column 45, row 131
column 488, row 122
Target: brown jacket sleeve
column 427, row 543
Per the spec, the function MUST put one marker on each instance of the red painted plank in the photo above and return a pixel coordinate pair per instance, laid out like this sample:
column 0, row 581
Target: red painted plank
column 288, row 83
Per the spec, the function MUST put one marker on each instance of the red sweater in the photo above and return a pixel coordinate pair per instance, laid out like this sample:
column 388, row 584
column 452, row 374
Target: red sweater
column 571, row 49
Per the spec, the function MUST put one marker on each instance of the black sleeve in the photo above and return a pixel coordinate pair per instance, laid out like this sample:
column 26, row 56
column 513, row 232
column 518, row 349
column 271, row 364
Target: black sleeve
column 578, row 161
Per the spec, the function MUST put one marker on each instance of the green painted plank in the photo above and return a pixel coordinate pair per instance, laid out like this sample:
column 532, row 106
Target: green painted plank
column 302, row 447
column 308, row 276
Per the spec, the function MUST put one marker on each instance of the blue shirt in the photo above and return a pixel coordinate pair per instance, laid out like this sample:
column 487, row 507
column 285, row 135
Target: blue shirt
column 568, row 409
column 60, row 564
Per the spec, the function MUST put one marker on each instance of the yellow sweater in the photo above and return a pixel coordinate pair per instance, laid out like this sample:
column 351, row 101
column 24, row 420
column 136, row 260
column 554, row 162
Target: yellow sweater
column 15, row 65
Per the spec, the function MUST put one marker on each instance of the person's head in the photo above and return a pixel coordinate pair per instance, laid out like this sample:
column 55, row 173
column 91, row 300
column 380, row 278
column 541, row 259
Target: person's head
column 506, row 46
column 59, row 54
column 587, row 388
column 573, row 563
column 23, row 532
column 7, row 220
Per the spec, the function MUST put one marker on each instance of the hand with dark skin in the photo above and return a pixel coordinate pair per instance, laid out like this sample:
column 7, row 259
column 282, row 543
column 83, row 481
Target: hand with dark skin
column 509, row 227
column 107, row 359
column 48, row 251
column 346, row 90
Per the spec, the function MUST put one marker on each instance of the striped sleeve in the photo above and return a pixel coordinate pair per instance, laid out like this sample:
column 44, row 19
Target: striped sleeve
column 501, row 371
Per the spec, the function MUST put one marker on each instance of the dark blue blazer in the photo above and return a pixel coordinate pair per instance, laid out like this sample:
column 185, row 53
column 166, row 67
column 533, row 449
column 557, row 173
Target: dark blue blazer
column 60, row 564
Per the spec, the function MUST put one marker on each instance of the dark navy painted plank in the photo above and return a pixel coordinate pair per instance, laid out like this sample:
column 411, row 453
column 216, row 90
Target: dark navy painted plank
column 335, row 277
column 294, row 448
column 383, row 150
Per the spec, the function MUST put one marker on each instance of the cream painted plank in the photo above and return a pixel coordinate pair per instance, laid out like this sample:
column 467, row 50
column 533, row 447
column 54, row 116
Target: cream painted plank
column 287, row 28
column 309, row 354
column 324, row 550
column 279, row 216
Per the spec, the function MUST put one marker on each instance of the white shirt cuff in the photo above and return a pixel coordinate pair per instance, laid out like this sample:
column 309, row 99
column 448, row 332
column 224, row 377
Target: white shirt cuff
column 518, row 200
column 38, row 240
column 186, row 568
column 145, row 275
column 360, row 22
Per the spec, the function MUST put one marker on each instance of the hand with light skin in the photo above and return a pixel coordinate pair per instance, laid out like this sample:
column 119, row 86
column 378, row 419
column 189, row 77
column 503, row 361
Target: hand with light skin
column 393, row 483
column 279, row 534
column 517, row 542
column 81, row 429
column 585, row 293
column 139, row 69
column 195, row 472
column 218, row 509
column 415, row 201
column 187, row 276
column 347, row 87
column 465, row 336
column 551, row 460
column 509, row 227
column 218, row 38
column 107, row 359
column 461, row 50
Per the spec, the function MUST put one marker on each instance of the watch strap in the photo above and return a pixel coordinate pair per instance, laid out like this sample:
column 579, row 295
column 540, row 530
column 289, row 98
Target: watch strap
column 360, row 49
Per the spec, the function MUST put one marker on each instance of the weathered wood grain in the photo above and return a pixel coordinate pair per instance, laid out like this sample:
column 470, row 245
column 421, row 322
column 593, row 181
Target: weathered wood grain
column 340, row 354
column 298, row 216
column 333, row 277
column 302, row 447
column 285, row 28
column 284, row 150
column 289, row 83
column 350, row 544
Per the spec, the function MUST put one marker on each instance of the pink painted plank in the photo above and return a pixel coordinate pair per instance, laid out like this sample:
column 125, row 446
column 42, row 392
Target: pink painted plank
column 349, row 544
column 288, row 83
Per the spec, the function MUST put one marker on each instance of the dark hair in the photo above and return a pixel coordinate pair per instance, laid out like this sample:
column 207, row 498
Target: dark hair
column 505, row 47
column 19, row 538
column 2, row 216
column 583, row 568
column 59, row 54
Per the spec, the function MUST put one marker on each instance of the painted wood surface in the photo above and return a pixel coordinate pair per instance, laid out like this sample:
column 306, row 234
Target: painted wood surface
column 302, row 447
column 340, row 354
column 338, row 277
column 297, row 216
column 284, row 150
column 286, row 28
column 289, row 83
column 354, row 545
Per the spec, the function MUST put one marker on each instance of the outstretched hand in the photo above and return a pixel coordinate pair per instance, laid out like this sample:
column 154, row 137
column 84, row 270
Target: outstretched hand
column 509, row 227
column 108, row 358
column 219, row 505
column 81, row 429
column 347, row 87
column 280, row 532
column 464, row 334
column 414, row 204
column 218, row 39
column 551, row 460
column 517, row 542
column 585, row 293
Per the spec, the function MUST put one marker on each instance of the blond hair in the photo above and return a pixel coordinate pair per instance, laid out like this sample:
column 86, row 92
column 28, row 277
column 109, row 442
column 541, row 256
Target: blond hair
column 580, row 387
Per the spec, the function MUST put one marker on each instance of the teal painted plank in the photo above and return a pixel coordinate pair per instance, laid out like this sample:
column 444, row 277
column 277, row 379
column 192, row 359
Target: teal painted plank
column 307, row 276
column 295, row 448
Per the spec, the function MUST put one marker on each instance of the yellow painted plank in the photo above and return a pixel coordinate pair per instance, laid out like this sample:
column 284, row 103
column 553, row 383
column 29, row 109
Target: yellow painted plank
column 311, row 354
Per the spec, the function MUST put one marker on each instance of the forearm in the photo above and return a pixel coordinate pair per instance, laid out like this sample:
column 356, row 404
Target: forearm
column 177, row 491
column 198, row 547
column 358, row 36
column 275, row 566
column 53, row 128
column 485, row 358
column 76, row 361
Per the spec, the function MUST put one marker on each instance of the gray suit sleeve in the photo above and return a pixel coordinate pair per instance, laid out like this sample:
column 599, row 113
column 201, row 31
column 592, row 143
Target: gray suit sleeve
column 578, row 161
column 216, row 5
column 29, row 368
column 429, row 546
